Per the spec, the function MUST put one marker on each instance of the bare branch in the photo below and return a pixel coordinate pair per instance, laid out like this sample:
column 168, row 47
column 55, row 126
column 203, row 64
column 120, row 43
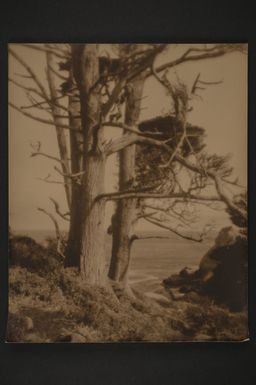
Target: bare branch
column 39, row 119
column 57, row 73
column 217, row 182
column 26, row 88
column 173, row 230
column 131, row 129
column 47, row 180
column 169, row 212
column 75, row 176
column 39, row 47
column 208, row 83
column 140, row 237
column 57, row 231
column 128, row 139
column 23, row 75
column 53, row 101
column 39, row 153
column 56, row 225
column 31, row 72
column 59, row 124
column 201, row 54
column 147, row 195
column 234, row 183
column 57, row 209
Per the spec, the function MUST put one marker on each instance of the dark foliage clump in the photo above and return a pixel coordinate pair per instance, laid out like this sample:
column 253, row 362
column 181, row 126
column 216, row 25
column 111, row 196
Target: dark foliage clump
column 148, row 158
column 238, row 220
column 25, row 252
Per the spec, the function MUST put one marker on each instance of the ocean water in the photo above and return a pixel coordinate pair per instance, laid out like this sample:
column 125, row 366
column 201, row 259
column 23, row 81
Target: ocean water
column 152, row 259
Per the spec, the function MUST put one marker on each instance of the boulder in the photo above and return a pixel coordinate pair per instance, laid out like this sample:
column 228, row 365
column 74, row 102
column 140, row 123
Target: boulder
column 222, row 272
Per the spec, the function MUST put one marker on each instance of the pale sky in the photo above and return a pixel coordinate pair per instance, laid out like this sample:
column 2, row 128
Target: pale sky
column 222, row 112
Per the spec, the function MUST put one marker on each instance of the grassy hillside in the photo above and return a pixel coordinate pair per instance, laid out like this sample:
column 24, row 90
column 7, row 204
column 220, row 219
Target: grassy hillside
column 48, row 303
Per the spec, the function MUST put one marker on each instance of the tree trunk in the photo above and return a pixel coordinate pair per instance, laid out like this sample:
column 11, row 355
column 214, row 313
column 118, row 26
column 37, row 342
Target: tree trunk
column 72, row 252
column 60, row 131
column 92, row 253
column 125, row 215
column 92, row 258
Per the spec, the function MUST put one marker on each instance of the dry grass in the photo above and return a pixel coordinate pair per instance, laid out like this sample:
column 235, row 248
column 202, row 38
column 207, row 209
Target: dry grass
column 53, row 304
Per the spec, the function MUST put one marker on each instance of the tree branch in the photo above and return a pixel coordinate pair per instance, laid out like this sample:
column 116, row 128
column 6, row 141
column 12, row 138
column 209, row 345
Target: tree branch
column 175, row 231
column 203, row 53
column 57, row 231
column 129, row 139
column 147, row 195
column 131, row 129
column 75, row 177
column 47, row 180
column 57, row 209
column 39, row 153
column 217, row 182
column 45, row 49
column 30, row 71
column 26, row 88
column 58, row 121
column 41, row 120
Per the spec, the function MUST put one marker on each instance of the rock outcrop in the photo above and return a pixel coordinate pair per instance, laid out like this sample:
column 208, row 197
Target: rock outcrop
column 222, row 272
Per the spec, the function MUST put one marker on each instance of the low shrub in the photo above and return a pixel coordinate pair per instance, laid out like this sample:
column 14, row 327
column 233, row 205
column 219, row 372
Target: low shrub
column 25, row 252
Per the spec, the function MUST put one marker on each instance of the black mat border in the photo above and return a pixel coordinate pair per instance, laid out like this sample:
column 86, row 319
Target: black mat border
column 121, row 364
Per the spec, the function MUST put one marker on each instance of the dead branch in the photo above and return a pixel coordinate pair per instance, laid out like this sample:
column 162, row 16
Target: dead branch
column 47, row 180
column 131, row 129
column 39, row 105
column 75, row 176
column 31, row 73
column 169, row 212
column 192, row 54
column 173, row 230
column 53, row 102
column 201, row 54
column 45, row 49
column 139, row 237
column 26, row 88
column 37, row 118
column 147, row 195
column 24, row 76
column 59, row 124
column 127, row 140
column 39, row 153
column 233, row 182
column 65, row 78
column 57, row 209
column 57, row 231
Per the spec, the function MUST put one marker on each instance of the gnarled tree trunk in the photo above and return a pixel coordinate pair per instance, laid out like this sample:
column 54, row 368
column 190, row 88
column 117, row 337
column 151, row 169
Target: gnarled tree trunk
column 76, row 151
column 125, row 215
column 92, row 253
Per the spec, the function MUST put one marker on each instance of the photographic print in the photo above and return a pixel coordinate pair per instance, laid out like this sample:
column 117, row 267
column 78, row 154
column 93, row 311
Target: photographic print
column 127, row 193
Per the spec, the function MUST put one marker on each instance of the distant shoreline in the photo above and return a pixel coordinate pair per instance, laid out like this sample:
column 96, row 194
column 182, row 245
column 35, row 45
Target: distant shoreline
column 42, row 234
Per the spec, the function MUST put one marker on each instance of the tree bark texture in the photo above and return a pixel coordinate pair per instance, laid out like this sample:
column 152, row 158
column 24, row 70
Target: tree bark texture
column 92, row 253
column 76, row 152
column 125, row 216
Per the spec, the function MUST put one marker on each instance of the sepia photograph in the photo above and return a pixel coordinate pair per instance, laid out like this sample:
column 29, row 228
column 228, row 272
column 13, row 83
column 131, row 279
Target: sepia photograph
column 127, row 193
